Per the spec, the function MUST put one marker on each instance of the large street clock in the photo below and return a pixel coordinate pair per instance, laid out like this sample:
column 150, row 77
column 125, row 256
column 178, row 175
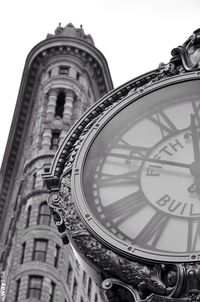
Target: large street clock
column 125, row 184
column 138, row 189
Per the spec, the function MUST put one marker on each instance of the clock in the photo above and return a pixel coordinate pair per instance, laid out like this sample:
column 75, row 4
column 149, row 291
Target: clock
column 136, row 177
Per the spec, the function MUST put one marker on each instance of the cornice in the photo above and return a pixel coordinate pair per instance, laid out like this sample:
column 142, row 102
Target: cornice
column 58, row 82
column 51, row 46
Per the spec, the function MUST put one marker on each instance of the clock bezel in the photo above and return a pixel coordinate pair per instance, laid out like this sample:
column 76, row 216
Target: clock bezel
column 86, row 215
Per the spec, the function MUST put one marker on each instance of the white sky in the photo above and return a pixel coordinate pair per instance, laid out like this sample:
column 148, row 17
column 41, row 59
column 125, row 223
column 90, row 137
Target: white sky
column 134, row 35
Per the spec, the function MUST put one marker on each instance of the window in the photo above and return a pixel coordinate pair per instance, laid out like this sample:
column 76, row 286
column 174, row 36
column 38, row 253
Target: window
column 2, row 257
column 89, row 292
column 7, row 237
column 40, row 250
column 77, row 264
column 84, row 278
column 56, row 256
column 46, row 169
column 34, row 287
column 78, row 75
column 44, row 216
column 28, row 216
column 69, row 275
column 53, row 285
column 49, row 73
column 17, row 290
column 96, row 298
column 55, row 140
column 64, row 70
column 75, row 291
column 60, row 104
column 23, row 252
column 34, row 180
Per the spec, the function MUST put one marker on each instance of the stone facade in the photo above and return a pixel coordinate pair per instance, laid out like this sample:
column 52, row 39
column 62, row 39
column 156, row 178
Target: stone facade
column 63, row 76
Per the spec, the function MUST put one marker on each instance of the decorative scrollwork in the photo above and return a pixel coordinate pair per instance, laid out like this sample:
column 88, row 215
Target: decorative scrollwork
column 189, row 52
column 54, row 202
column 110, row 282
column 144, row 279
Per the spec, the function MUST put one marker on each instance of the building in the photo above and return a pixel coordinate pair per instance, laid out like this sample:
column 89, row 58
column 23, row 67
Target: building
column 63, row 76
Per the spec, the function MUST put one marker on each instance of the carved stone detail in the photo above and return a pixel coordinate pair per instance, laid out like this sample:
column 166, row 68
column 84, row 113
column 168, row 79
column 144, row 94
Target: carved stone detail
column 52, row 96
column 68, row 107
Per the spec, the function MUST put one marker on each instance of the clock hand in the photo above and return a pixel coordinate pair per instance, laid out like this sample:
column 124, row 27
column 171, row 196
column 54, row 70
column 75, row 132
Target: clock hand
column 195, row 166
column 152, row 160
column 195, row 141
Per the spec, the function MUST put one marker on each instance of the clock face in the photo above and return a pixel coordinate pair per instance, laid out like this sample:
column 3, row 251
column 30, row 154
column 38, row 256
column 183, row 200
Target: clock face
column 138, row 186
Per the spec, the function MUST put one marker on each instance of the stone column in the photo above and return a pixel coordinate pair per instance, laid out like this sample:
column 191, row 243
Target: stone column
column 46, row 141
column 63, row 133
column 51, row 106
column 67, row 114
column 77, row 109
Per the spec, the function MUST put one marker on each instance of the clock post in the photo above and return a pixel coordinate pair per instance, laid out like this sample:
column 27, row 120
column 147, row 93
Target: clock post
column 125, row 184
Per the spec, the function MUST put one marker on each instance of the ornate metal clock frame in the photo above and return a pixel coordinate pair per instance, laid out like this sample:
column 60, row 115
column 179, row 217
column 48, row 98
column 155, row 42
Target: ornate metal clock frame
column 125, row 278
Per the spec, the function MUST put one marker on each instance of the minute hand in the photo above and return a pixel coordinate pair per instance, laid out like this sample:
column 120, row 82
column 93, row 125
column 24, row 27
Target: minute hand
column 152, row 160
column 195, row 141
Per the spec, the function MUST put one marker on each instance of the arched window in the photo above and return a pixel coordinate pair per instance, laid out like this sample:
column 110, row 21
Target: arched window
column 28, row 217
column 60, row 104
column 44, row 216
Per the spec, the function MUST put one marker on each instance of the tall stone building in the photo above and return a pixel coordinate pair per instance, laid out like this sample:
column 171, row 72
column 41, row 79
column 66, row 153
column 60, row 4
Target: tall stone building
column 63, row 76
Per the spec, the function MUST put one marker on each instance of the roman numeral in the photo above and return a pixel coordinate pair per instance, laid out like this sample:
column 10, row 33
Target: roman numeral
column 193, row 243
column 164, row 123
column 129, row 178
column 125, row 207
column 196, row 108
column 151, row 233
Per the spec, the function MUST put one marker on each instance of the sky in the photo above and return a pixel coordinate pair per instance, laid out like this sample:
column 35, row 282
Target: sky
column 134, row 36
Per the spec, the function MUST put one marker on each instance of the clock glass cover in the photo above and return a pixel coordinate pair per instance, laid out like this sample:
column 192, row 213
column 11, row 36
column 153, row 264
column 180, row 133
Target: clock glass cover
column 138, row 186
